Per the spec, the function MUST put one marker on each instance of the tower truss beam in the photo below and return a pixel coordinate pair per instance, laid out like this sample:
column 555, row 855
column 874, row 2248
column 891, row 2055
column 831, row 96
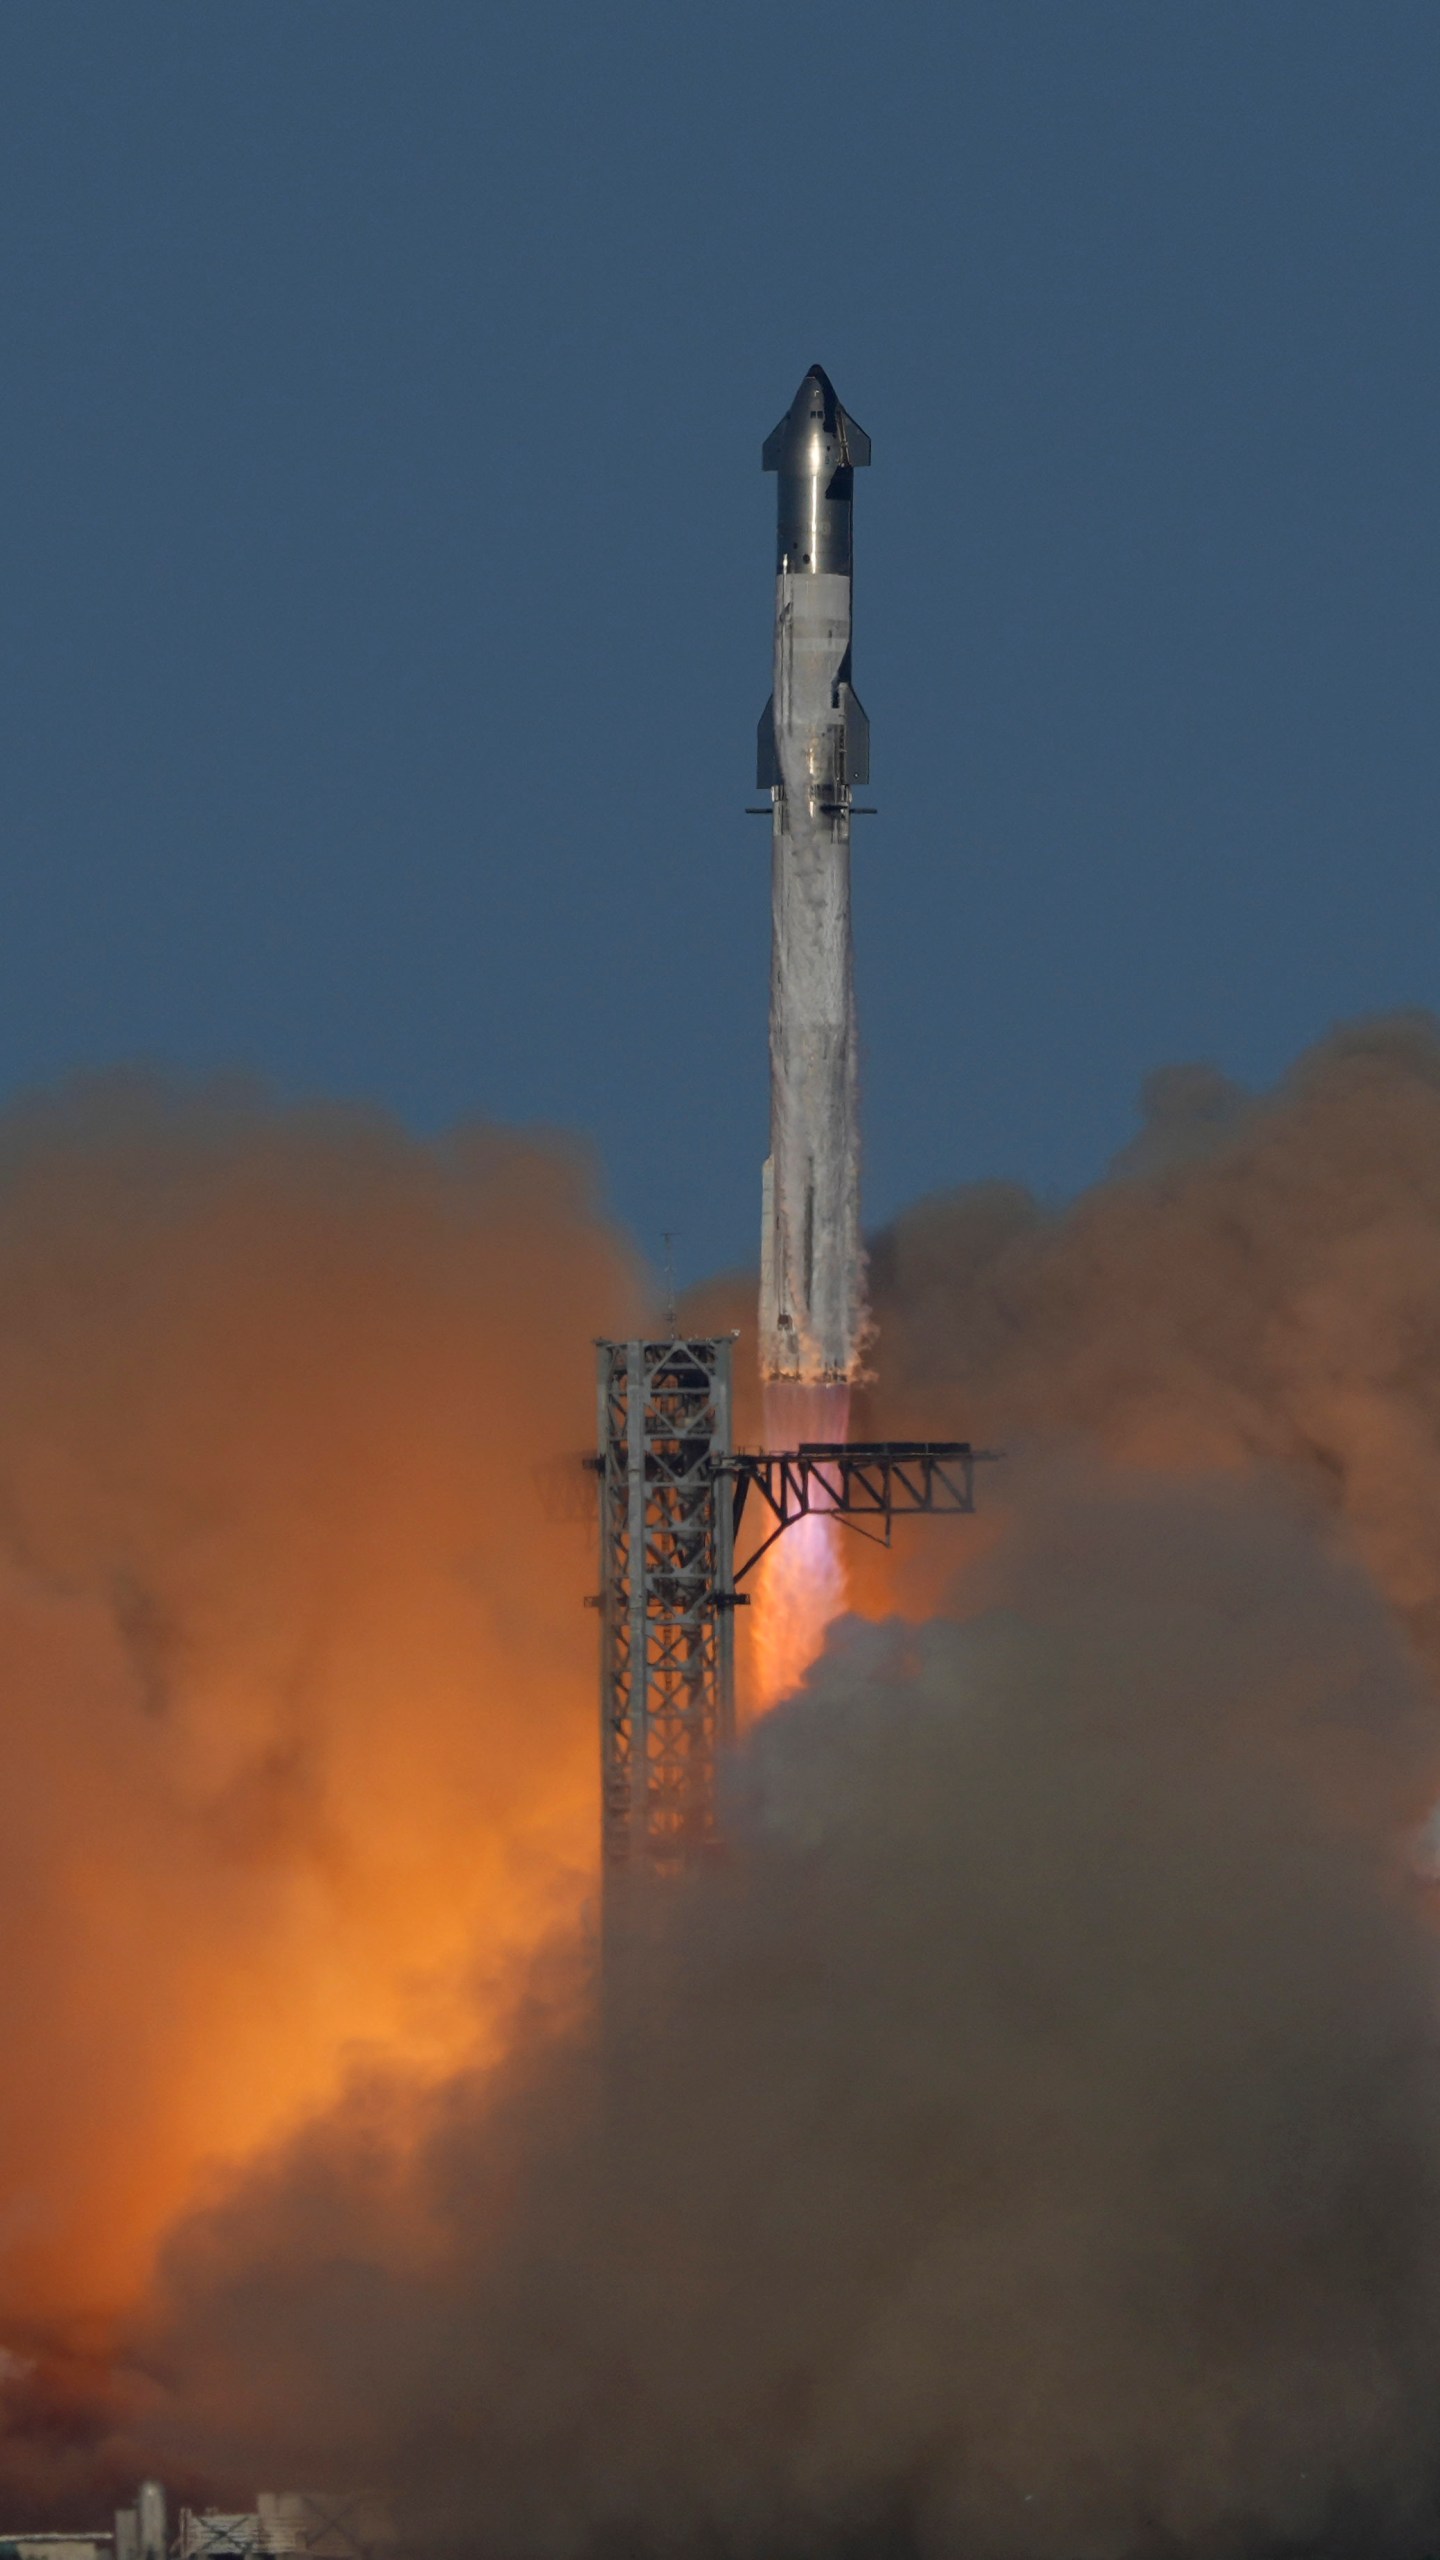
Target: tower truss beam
column 666, row 1592
column 884, row 1480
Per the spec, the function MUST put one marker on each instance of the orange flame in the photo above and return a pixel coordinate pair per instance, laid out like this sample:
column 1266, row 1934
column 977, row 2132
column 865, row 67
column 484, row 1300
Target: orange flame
column 802, row 1579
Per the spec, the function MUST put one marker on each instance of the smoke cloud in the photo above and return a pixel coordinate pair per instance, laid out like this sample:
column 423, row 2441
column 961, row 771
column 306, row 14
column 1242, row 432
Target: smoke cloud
column 296, row 1749
column 1257, row 1288
column 1029, row 2141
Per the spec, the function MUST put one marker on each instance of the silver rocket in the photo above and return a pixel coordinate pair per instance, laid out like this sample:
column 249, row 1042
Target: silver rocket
column 813, row 748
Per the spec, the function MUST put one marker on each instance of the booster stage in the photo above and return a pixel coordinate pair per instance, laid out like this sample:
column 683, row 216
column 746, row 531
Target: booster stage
column 813, row 749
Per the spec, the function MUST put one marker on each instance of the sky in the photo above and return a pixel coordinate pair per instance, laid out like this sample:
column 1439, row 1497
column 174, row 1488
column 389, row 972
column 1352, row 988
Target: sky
column 387, row 572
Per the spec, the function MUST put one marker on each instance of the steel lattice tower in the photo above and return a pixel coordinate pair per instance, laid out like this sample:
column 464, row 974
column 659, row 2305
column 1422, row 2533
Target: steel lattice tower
column 666, row 1597
column 672, row 1495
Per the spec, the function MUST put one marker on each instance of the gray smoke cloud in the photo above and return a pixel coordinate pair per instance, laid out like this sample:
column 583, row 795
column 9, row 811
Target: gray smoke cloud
column 1030, row 2142
column 1028, row 2146
column 1256, row 1288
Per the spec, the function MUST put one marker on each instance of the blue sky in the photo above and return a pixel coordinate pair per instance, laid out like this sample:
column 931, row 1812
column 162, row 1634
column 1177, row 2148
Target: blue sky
column 386, row 587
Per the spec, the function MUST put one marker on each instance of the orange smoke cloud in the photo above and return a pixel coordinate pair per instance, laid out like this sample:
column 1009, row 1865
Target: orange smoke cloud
column 298, row 1739
column 1059, row 1932
column 1028, row 2140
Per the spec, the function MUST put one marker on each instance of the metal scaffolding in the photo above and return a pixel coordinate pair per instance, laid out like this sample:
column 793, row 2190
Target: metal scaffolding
column 672, row 1497
column 666, row 1597
column 852, row 1480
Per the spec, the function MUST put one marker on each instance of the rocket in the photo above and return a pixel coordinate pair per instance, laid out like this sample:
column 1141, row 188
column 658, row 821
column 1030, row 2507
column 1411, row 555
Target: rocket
column 813, row 749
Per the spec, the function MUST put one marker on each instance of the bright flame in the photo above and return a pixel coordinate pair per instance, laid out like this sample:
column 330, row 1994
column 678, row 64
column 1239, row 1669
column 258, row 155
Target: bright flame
column 802, row 1579
column 802, row 1587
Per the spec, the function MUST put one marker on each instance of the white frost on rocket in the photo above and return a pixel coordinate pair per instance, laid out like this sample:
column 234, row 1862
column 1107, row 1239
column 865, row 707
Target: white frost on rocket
column 813, row 748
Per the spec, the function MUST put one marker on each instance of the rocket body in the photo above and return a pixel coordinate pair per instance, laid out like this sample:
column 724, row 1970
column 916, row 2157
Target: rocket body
column 813, row 749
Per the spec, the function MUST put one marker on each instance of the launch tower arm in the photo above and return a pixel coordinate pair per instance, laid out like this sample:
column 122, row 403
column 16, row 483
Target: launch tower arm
column 881, row 1480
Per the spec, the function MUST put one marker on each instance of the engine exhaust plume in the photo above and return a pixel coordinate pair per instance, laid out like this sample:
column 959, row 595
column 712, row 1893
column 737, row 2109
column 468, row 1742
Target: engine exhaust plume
column 802, row 1579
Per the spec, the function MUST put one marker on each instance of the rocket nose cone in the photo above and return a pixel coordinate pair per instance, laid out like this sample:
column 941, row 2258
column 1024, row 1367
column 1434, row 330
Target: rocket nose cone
column 806, row 438
column 815, row 432
column 815, row 401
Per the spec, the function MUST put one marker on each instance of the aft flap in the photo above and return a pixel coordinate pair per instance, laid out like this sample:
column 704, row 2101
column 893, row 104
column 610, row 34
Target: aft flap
column 857, row 736
column 767, row 762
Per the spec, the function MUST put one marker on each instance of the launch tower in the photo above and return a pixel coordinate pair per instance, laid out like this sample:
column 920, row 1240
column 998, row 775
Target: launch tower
column 666, row 1597
column 673, row 1493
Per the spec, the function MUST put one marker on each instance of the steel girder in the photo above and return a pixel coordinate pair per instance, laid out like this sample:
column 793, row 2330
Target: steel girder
column 666, row 1596
column 884, row 1480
